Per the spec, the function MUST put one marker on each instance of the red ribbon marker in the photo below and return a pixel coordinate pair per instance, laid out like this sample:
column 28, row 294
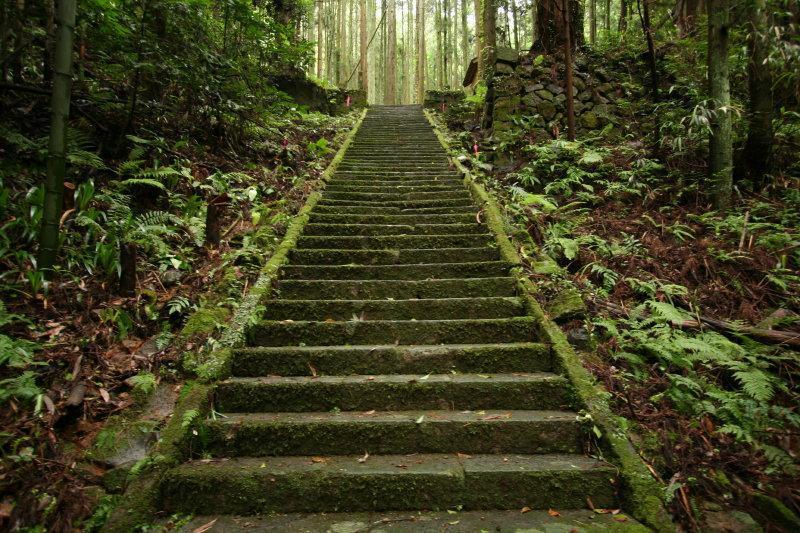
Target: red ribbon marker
column 347, row 102
column 475, row 149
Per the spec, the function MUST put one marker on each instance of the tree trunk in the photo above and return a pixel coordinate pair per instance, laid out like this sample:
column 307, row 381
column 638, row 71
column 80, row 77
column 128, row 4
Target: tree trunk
column 549, row 22
column 50, row 31
column 758, row 149
column 592, row 21
column 464, row 37
column 57, row 148
column 215, row 215
column 479, row 39
column 515, row 12
column 446, row 43
column 422, row 59
column 644, row 16
column 363, row 71
column 623, row 15
column 127, row 262
column 720, row 157
column 686, row 13
column 319, row 39
column 568, row 71
column 391, row 54
column 489, row 41
column 607, row 19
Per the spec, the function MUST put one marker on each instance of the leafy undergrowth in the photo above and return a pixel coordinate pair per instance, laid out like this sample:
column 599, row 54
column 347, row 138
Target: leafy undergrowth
column 73, row 350
column 693, row 325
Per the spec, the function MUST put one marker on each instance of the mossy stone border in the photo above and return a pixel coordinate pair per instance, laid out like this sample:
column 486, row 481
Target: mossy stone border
column 217, row 364
column 641, row 493
column 139, row 504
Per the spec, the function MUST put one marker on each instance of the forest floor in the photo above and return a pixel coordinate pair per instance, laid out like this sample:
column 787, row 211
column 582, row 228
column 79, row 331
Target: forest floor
column 666, row 289
column 79, row 353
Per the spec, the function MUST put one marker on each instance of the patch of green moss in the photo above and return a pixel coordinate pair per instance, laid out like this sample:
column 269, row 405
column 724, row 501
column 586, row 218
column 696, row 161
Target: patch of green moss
column 205, row 321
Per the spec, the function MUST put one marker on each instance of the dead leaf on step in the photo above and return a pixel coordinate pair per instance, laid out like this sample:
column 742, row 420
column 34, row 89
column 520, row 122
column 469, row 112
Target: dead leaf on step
column 364, row 459
column 312, row 369
column 106, row 396
column 370, row 413
column 463, row 455
column 205, row 527
column 553, row 512
column 319, row 459
column 621, row 518
column 496, row 417
column 590, row 504
column 525, row 510
column 401, row 466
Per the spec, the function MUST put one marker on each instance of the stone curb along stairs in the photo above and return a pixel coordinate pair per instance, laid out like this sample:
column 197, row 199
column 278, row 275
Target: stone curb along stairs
column 399, row 368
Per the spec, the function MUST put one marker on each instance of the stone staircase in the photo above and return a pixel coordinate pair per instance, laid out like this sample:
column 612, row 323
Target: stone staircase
column 394, row 371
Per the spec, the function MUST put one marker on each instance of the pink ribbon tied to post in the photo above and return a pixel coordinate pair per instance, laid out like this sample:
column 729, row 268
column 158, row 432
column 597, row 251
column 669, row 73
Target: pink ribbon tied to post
column 475, row 149
column 347, row 102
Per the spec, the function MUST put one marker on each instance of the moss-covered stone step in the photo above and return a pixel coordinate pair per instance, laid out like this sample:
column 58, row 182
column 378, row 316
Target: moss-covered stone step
column 394, row 432
column 324, row 333
column 397, row 189
column 253, row 485
column 378, row 242
column 448, row 308
column 395, row 289
column 456, row 218
column 389, row 176
column 394, row 196
column 394, row 256
column 354, row 228
column 403, row 204
column 567, row 520
column 406, row 184
column 385, row 210
column 394, row 392
column 391, row 359
column 490, row 269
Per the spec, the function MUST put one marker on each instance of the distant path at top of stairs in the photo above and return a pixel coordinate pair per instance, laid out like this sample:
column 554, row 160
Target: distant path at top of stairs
column 394, row 371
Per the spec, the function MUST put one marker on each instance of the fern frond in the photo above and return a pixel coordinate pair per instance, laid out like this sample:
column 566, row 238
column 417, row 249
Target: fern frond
column 132, row 182
column 755, row 384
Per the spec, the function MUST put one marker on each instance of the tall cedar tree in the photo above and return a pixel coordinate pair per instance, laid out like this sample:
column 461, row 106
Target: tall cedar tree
column 720, row 157
column 758, row 149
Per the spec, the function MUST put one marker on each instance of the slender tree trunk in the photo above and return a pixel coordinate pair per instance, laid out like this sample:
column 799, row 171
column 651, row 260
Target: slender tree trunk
column 412, row 57
column 479, row 38
column 128, row 253
column 391, row 54
column 720, row 157
column 515, row 12
column 363, row 72
column 592, row 21
column 57, row 148
column 623, row 15
column 607, row 19
column 568, row 71
column 422, row 59
column 50, row 31
column 445, row 21
column 464, row 36
column 489, row 23
column 319, row 39
column 644, row 16
column 758, row 149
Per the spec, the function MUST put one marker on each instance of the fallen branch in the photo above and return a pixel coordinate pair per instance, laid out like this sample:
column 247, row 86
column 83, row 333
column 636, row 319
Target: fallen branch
column 768, row 336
